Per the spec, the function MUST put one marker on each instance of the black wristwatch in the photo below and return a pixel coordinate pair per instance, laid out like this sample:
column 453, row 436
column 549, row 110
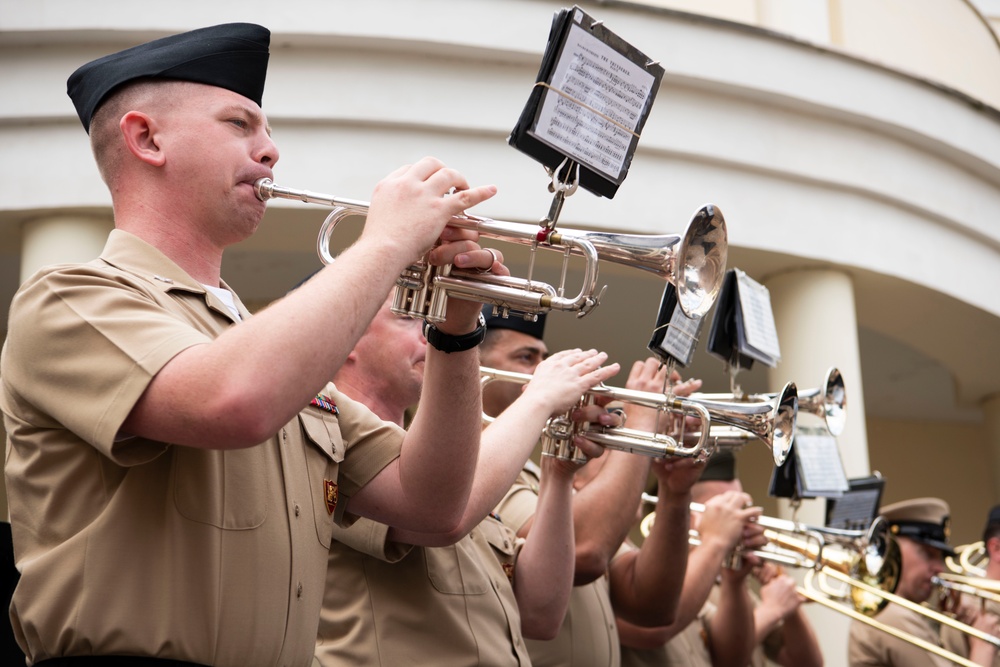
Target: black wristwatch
column 448, row 343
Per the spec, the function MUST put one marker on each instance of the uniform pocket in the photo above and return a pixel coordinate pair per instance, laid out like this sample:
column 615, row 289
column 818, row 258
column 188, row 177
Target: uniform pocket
column 225, row 489
column 324, row 451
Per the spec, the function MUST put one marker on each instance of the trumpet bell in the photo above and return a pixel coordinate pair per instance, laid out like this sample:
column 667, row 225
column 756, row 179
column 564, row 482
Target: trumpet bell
column 702, row 261
column 771, row 420
column 829, row 403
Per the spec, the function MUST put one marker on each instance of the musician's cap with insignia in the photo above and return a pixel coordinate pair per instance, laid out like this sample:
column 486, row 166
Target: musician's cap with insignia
column 924, row 520
column 515, row 322
column 231, row 56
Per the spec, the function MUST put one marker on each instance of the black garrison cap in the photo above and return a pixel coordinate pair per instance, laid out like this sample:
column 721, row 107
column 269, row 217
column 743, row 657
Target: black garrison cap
column 515, row 322
column 232, row 56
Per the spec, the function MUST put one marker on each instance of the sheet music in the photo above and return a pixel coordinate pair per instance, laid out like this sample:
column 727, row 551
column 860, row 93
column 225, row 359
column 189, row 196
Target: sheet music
column 758, row 318
column 592, row 73
column 855, row 509
column 821, row 472
column 681, row 336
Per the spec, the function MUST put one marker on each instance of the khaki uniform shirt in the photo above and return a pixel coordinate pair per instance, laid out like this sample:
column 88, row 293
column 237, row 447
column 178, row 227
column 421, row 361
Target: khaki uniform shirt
column 689, row 648
column 870, row 646
column 390, row 605
column 588, row 636
column 135, row 547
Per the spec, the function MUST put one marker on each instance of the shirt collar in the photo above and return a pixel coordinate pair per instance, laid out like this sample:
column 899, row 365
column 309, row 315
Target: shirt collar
column 131, row 254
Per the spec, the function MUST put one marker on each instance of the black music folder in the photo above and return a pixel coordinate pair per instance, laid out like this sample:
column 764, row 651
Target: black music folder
column 743, row 328
column 589, row 104
column 675, row 336
column 857, row 508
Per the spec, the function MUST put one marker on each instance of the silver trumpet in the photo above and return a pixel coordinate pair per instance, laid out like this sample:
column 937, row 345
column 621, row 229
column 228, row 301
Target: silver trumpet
column 557, row 437
column 694, row 261
column 769, row 418
column 828, row 402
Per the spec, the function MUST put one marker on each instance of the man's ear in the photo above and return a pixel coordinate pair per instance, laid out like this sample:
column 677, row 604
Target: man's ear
column 993, row 548
column 139, row 132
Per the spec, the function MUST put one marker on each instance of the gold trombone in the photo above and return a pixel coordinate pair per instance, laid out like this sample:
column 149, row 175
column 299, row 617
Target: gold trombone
column 694, row 261
column 868, row 563
column 870, row 556
column 970, row 560
column 557, row 437
column 870, row 570
column 979, row 587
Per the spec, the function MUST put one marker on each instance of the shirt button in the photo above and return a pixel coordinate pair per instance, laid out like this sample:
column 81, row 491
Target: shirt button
column 297, row 509
column 298, row 590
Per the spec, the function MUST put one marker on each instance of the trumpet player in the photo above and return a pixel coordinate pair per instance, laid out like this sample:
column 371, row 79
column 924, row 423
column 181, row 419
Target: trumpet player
column 719, row 622
column 469, row 596
column 174, row 466
column 608, row 492
column 921, row 528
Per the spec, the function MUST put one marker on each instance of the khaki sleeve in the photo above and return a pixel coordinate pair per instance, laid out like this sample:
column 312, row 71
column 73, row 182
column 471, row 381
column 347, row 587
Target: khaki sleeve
column 67, row 309
column 371, row 538
column 519, row 503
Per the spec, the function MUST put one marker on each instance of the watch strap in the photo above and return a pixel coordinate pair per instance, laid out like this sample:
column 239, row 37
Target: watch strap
column 448, row 343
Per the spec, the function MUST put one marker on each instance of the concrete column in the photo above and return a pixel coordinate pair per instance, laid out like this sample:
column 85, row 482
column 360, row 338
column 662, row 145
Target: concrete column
column 991, row 418
column 62, row 238
column 814, row 313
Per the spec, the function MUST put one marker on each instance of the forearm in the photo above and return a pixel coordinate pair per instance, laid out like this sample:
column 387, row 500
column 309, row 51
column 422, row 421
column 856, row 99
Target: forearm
column 646, row 586
column 505, row 446
column 800, row 647
column 441, row 446
column 731, row 631
column 703, row 565
column 604, row 511
column 543, row 576
column 765, row 620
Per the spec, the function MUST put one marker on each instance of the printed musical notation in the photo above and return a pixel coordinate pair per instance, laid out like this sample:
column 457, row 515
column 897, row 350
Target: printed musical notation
column 821, row 472
column 596, row 102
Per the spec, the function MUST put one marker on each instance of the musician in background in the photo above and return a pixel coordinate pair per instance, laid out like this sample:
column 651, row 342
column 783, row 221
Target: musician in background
column 388, row 602
column 921, row 527
column 175, row 466
column 958, row 642
column 991, row 544
column 720, row 622
column 608, row 491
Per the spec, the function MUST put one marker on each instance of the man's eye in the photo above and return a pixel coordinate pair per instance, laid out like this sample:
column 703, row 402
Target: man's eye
column 239, row 122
